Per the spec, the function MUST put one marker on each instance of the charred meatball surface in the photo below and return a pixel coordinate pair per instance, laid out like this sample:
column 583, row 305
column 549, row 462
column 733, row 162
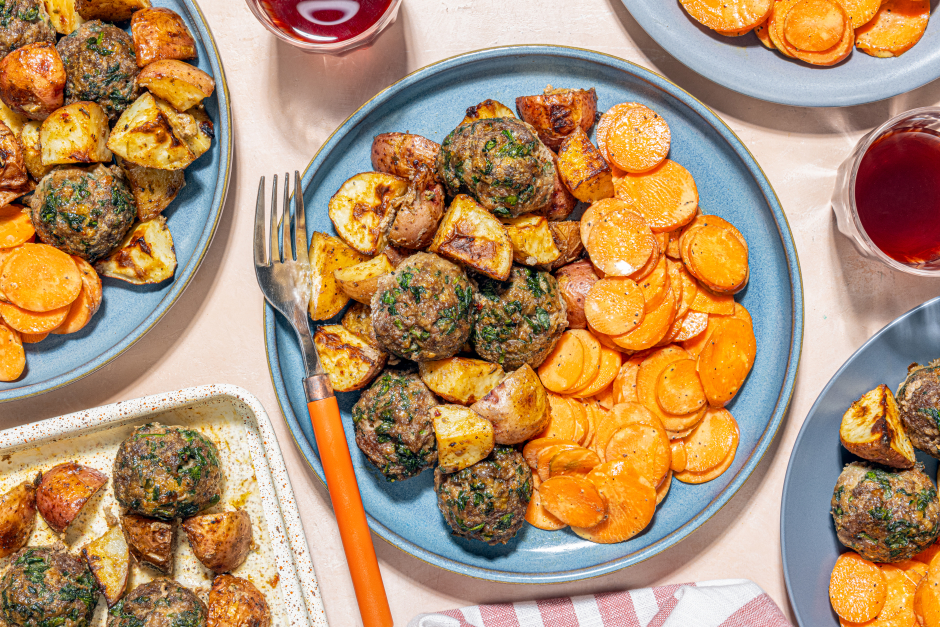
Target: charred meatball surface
column 886, row 515
column 393, row 425
column 46, row 586
column 421, row 311
column 501, row 162
column 486, row 501
column 84, row 211
column 160, row 602
column 518, row 321
column 24, row 22
column 101, row 66
column 167, row 472
column 919, row 401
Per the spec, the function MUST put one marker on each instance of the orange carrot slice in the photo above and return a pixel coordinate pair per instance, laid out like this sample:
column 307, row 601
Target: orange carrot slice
column 815, row 25
column 666, row 195
column 679, row 457
column 763, row 36
column 534, row 447
column 718, row 260
column 596, row 210
column 644, row 448
column 899, row 605
column 654, row 326
column 26, row 321
column 896, row 28
column 710, row 442
column 561, row 423
column 621, row 243
column 726, row 360
column 33, row 338
column 592, row 358
column 610, row 366
column 625, row 382
column 86, row 305
column 694, row 324
column 927, row 599
column 584, row 429
column 679, row 389
column 12, row 356
column 858, row 588
column 614, row 305
column 638, row 140
column 15, row 226
column 538, row 516
column 40, row 278
column 729, row 16
column 620, row 416
column 546, row 455
column 860, row 11
column 604, row 125
column 709, row 302
column 573, row 500
column 655, row 285
column 631, row 503
column 915, row 571
column 562, row 368
column 830, row 56
column 575, row 461
column 663, row 488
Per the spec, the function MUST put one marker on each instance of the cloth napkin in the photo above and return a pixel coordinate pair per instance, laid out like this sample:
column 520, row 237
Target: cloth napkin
column 723, row 603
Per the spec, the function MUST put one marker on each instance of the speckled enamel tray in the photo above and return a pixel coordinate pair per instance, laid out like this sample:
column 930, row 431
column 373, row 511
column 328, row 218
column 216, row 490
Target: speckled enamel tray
column 255, row 480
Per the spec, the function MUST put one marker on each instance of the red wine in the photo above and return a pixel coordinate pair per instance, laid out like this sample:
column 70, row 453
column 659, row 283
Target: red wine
column 325, row 21
column 897, row 195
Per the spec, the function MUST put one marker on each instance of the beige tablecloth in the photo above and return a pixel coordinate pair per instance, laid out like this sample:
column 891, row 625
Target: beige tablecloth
column 287, row 103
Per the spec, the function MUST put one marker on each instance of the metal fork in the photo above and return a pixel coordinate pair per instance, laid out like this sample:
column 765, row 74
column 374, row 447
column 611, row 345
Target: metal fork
column 283, row 271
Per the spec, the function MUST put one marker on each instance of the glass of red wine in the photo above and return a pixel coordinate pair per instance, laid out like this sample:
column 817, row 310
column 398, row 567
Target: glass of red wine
column 887, row 193
column 325, row 26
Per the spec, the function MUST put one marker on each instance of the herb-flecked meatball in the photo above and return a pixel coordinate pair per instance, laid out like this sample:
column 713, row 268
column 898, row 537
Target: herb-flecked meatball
column 24, row 22
column 393, row 425
column 486, row 501
column 919, row 404
column 44, row 587
column 101, row 67
column 886, row 515
column 84, row 211
column 163, row 603
column 520, row 320
column 167, row 472
column 501, row 162
column 421, row 311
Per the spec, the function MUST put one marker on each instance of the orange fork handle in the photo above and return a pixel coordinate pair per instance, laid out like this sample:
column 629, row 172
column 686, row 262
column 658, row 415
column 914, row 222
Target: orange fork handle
column 350, row 516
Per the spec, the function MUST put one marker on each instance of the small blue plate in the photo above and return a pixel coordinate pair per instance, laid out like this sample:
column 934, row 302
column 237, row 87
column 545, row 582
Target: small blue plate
column 744, row 65
column 808, row 537
column 129, row 311
column 432, row 102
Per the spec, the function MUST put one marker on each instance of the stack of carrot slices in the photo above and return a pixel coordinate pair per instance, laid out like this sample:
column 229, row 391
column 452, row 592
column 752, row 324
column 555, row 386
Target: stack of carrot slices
column 42, row 290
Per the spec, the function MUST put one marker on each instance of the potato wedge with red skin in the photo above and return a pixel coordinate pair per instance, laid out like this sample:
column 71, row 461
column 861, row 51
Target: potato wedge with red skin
column 182, row 85
column 17, row 517
column 32, row 80
column 574, row 282
column 517, row 407
column 160, row 33
column 150, row 540
column 63, row 490
column 397, row 153
column 220, row 541
column 109, row 559
column 556, row 113
column 236, row 602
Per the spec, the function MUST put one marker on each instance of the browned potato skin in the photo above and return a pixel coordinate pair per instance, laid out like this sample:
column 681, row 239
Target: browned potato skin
column 13, row 175
column 236, row 602
column 397, row 153
column 556, row 113
column 420, row 211
column 358, row 321
column 176, row 82
column 567, row 236
column 583, row 169
column 150, row 540
column 220, row 541
column 63, row 490
column 574, row 281
column 109, row 10
column 562, row 202
column 17, row 518
column 32, row 80
column 161, row 34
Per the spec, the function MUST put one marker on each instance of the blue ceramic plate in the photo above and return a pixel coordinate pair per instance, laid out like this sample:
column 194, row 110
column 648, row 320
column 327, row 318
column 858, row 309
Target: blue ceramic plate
column 129, row 311
column 808, row 537
column 746, row 66
column 432, row 102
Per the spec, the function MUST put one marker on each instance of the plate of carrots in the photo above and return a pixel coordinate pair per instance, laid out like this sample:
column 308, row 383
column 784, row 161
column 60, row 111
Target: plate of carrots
column 812, row 53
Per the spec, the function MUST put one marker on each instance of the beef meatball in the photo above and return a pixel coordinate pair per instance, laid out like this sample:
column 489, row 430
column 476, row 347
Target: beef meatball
column 884, row 514
column 421, row 311
column 394, row 427
column 167, row 472
column 160, row 602
column 85, row 211
column 520, row 320
column 486, row 501
column 501, row 162
column 919, row 402
column 46, row 586
column 101, row 67
column 24, row 22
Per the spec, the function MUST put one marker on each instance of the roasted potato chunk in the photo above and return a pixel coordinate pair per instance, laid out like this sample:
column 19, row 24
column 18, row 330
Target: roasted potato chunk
column 63, row 490
column 485, row 110
column 350, row 362
column 574, row 282
column 562, row 202
column 567, row 236
column 532, row 241
column 17, row 517
column 398, row 153
column 182, row 85
column 360, row 281
column 517, row 407
column 32, row 80
column 193, row 127
column 872, row 429
column 418, row 211
column 75, row 133
column 463, row 437
column 145, row 256
column 63, row 15
column 11, row 118
column 32, row 150
column 327, row 255
column 460, row 379
column 471, row 235
column 363, row 208
column 153, row 189
column 13, row 175
column 109, row 559
column 160, row 33
column 150, row 540
column 236, row 602
column 556, row 113
column 358, row 321
column 109, row 10
column 144, row 135
column 583, row 169
column 220, row 541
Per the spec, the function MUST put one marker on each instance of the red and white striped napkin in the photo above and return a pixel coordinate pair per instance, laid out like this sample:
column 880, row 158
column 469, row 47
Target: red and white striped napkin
column 724, row 603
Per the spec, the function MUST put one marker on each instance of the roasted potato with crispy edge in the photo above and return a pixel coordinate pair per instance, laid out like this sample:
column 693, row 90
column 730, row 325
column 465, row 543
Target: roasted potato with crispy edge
column 31, row 144
column 109, row 559
column 574, row 282
column 12, row 119
column 460, row 379
column 145, row 256
column 193, row 126
column 17, row 517
column 562, row 202
column 151, row 541
column 397, row 153
column 109, row 10
column 360, row 281
column 220, row 541
column 567, row 236
column 160, row 33
column 532, row 241
column 871, row 428
column 486, row 110
column 517, row 407
column 556, row 113
column 236, row 602
column 182, row 85
column 358, row 321
column 418, row 211
column 471, row 235
column 328, row 254
column 63, row 490
column 75, row 133
column 63, row 15
column 32, row 80
column 13, row 173
column 583, row 169
column 363, row 208
column 153, row 189
column 144, row 135
column 463, row 436
column 350, row 362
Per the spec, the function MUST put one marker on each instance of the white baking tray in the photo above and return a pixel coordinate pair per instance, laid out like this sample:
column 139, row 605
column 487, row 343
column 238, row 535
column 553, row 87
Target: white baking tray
column 255, row 480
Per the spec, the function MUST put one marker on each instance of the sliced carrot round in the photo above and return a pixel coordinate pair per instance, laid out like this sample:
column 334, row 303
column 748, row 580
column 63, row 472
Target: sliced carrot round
column 40, row 278
column 718, row 259
column 596, row 211
column 561, row 423
column 896, row 28
column 614, row 305
column 857, row 588
column 655, row 285
column 638, row 140
column 562, row 368
column 654, row 326
column 12, row 356
column 729, row 15
column 534, row 447
column 620, row 243
column 679, row 389
column 538, row 516
column 26, row 321
column 709, row 302
column 33, row 338
column 663, row 488
column 764, row 36
column 693, row 325
column 726, row 360
column 625, row 381
column 620, row 416
column 679, row 457
column 546, row 455
column 710, row 442
column 815, row 25
column 860, row 11
column 575, row 461
column 16, row 227
column 573, row 500
column 591, row 363
column 666, row 195
column 584, row 425
column 610, row 366
column 86, row 305
column 644, row 447
column 631, row 503
column 604, row 125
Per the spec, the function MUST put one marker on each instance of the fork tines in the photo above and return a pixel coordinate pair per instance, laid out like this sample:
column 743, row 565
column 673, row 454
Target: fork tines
column 280, row 226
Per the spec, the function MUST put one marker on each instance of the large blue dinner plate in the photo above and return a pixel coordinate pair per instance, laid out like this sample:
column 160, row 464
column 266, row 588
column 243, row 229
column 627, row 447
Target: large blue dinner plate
column 129, row 311
column 431, row 102
column 808, row 537
column 746, row 66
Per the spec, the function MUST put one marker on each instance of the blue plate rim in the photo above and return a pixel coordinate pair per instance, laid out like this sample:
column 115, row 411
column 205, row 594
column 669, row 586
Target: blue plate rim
column 796, row 293
column 787, row 486
column 183, row 278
